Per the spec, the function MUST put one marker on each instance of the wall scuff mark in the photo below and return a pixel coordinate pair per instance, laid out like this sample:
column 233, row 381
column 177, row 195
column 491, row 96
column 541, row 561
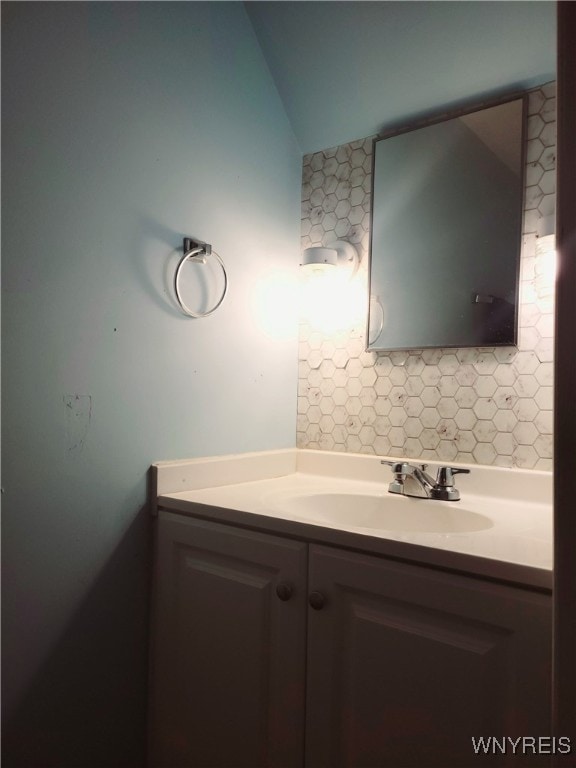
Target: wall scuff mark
column 78, row 415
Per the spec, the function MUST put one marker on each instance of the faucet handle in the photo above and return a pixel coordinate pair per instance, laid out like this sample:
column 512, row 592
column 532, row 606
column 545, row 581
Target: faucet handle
column 445, row 476
column 398, row 467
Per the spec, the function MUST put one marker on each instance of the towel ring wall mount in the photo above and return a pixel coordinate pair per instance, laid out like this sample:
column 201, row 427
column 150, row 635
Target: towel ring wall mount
column 198, row 253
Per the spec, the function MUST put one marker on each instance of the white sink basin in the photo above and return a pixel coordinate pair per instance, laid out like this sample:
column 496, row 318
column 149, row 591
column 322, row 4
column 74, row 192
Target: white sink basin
column 382, row 512
column 502, row 523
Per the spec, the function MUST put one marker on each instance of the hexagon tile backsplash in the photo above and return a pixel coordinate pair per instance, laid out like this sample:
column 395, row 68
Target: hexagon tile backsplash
column 485, row 406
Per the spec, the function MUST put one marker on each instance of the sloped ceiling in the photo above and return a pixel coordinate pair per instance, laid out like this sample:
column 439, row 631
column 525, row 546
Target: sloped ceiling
column 346, row 70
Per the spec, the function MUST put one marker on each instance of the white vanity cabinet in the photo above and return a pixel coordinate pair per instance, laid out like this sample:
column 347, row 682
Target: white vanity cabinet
column 228, row 647
column 268, row 651
column 406, row 664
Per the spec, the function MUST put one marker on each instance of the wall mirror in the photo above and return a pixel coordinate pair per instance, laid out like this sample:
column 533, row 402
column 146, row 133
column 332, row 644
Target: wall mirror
column 446, row 231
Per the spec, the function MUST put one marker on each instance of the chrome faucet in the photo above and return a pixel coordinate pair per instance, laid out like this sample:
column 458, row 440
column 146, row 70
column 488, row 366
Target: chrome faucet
column 410, row 480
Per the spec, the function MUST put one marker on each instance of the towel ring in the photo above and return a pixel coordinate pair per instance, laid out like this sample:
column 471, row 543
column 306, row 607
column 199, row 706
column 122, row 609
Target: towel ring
column 198, row 252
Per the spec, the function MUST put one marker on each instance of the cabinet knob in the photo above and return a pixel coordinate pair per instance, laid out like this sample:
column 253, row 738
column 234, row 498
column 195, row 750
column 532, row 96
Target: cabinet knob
column 316, row 600
column 284, row 591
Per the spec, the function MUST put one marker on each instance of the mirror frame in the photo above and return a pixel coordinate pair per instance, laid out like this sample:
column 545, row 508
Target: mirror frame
column 434, row 119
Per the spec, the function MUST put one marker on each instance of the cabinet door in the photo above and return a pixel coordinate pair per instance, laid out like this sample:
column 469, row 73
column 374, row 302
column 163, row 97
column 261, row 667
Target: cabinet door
column 228, row 649
column 406, row 665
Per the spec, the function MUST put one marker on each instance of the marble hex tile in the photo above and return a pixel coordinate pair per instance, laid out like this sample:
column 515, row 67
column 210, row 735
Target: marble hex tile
column 484, row 405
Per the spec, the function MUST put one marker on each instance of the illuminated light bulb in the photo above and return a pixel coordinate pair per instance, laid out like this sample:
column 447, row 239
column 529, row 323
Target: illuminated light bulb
column 332, row 298
column 330, row 302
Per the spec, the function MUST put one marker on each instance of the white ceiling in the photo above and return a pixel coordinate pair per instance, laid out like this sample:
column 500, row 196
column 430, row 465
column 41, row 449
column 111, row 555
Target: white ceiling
column 346, row 70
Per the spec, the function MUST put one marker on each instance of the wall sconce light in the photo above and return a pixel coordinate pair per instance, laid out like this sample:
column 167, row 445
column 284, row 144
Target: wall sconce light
column 331, row 301
column 324, row 259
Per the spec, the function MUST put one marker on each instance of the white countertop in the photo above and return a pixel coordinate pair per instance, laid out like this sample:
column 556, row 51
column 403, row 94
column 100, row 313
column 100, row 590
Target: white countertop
column 249, row 490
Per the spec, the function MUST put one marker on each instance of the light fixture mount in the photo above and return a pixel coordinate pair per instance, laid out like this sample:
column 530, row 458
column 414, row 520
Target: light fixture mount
column 339, row 254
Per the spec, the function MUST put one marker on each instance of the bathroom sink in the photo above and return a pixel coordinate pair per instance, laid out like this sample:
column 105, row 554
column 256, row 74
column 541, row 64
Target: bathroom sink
column 381, row 512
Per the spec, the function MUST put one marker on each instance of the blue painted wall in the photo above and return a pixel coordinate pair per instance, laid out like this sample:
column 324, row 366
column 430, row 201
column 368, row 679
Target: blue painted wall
column 126, row 126
column 347, row 70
